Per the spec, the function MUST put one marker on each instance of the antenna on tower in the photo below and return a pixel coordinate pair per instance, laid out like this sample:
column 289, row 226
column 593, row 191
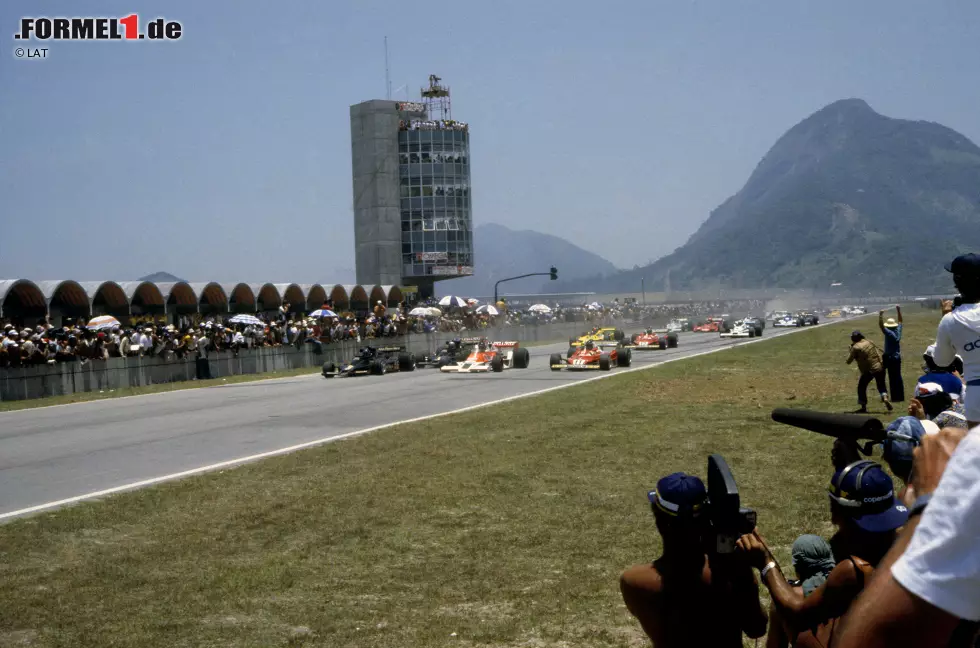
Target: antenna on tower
column 387, row 75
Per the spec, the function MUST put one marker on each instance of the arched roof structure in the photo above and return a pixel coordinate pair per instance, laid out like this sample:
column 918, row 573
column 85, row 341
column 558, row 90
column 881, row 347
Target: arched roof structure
column 179, row 293
column 143, row 292
column 108, row 294
column 315, row 295
column 338, row 295
column 378, row 294
column 211, row 294
column 293, row 294
column 23, row 293
column 395, row 295
column 67, row 292
column 267, row 296
column 357, row 295
column 241, row 297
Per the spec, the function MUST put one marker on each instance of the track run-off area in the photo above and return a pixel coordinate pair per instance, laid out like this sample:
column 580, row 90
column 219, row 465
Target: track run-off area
column 55, row 456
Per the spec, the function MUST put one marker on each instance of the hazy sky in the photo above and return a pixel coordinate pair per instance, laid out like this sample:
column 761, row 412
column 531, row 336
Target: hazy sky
column 226, row 155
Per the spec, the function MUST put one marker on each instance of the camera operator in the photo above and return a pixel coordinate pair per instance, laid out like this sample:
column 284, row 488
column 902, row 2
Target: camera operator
column 926, row 593
column 871, row 367
column 866, row 513
column 959, row 331
column 688, row 597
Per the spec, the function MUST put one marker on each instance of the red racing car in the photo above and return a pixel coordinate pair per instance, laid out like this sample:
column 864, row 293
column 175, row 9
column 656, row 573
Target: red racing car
column 593, row 356
column 650, row 340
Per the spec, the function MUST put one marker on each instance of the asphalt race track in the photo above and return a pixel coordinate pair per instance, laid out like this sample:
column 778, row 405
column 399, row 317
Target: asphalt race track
column 51, row 454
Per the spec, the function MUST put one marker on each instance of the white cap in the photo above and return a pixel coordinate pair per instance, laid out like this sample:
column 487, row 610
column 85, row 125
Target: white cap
column 929, row 426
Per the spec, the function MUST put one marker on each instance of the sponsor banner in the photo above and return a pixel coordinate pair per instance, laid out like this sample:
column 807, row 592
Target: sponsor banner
column 411, row 106
column 452, row 270
column 431, row 256
column 409, row 290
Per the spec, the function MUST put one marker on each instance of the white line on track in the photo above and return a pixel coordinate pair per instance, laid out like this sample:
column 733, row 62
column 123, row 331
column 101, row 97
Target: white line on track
column 310, row 444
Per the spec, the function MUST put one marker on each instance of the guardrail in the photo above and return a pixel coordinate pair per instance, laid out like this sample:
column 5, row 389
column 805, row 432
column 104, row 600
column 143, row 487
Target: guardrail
column 40, row 381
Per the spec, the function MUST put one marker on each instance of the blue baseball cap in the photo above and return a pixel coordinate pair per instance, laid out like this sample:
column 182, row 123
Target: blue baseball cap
column 965, row 264
column 866, row 494
column 898, row 452
column 680, row 495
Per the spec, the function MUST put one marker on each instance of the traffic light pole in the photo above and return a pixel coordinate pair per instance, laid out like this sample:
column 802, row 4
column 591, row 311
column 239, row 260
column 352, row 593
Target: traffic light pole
column 553, row 274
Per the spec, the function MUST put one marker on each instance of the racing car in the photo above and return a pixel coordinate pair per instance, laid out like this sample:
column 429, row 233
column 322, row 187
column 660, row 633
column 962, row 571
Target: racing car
column 757, row 322
column 784, row 321
column 606, row 334
column 710, row 326
column 603, row 356
column 743, row 329
column 678, row 325
column 376, row 361
column 650, row 340
column 448, row 354
column 806, row 318
column 491, row 356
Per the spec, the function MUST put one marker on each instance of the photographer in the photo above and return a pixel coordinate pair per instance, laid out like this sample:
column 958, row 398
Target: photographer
column 959, row 331
column 866, row 513
column 688, row 597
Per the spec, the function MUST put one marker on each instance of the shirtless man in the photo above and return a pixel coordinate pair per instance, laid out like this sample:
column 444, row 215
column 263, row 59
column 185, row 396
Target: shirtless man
column 680, row 599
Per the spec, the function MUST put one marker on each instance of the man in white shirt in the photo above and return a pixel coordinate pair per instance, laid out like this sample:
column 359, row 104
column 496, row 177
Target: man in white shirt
column 959, row 332
column 926, row 593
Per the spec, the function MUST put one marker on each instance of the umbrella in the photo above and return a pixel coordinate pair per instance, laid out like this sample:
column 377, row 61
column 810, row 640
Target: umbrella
column 247, row 319
column 323, row 312
column 103, row 322
column 540, row 308
column 419, row 311
column 452, row 300
column 489, row 310
column 472, row 301
column 432, row 311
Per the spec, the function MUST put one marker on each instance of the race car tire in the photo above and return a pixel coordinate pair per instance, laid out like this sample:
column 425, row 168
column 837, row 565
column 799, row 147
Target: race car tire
column 329, row 368
column 672, row 341
column 406, row 362
column 604, row 362
column 555, row 359
column 571, row 351
column 618, row 335
column 633, row 338
column 522, row 358
column 662, row 344
column 758, row 331
column 378, row 368
column 751, row 332
column 624, row 358
column 497, row 364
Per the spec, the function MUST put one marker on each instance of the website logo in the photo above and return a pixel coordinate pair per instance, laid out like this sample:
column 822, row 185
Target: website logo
column 43, row 28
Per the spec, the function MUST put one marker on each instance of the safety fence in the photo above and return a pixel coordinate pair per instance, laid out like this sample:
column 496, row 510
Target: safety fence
column 40, row 381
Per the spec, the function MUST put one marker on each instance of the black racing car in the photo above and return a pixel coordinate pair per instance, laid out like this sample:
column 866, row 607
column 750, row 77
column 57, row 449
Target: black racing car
column 450, row 353
column 757, row 323
column 376, row 361
column 806, row 318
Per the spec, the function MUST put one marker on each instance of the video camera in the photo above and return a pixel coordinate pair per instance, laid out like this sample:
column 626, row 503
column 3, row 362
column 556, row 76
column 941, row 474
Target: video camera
column 727, row 518
column 848, row 427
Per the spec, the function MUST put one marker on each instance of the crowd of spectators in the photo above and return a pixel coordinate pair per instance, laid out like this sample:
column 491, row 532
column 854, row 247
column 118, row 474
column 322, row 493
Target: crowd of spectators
column 432, row 124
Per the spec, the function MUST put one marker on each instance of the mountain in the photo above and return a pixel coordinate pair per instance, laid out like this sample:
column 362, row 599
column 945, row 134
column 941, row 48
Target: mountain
column 501, row 252
column 847, row 195
column 161, row 277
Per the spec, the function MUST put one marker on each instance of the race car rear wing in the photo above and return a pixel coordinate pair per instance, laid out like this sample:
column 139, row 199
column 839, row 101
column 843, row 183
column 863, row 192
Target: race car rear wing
column 470, row 340
column 389, row 349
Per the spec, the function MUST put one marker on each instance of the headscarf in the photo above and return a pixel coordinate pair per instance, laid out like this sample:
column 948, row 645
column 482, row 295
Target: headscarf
column 813, row 561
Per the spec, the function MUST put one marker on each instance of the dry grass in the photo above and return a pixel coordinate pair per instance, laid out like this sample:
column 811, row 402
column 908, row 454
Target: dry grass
column 504, row 527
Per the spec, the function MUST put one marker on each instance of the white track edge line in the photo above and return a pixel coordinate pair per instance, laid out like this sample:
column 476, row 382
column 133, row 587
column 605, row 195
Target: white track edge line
column 316, row 442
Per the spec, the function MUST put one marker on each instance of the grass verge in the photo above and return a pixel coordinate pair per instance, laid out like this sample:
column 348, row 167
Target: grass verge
column 506, row 526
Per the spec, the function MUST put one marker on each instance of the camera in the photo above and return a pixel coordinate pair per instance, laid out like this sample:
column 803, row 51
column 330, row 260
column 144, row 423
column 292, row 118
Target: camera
column 727, row 518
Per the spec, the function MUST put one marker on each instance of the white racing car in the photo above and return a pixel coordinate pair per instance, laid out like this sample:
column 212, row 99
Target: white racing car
column 784, row 321
column 491, row 356
column 742, row 329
